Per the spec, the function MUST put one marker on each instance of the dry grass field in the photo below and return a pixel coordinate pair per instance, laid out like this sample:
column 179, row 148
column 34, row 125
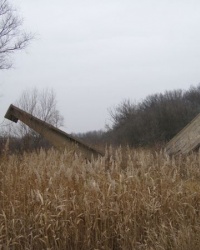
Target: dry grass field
column 52, row 200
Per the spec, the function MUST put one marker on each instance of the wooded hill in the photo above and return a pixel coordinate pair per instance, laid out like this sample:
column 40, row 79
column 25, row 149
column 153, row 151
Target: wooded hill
column 154, row 120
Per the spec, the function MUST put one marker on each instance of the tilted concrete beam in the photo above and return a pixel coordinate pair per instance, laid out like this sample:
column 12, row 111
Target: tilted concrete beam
column 55, row 136
column 187, row 140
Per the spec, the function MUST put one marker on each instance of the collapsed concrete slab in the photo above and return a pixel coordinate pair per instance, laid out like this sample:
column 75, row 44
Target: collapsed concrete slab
column 55, row 136
column 187, row 140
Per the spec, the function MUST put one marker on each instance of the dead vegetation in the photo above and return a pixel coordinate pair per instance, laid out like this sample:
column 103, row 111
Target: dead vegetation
column 54, row 200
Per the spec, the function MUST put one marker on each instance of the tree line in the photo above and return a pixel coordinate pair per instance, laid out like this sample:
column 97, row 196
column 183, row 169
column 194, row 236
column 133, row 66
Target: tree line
column 154, row 120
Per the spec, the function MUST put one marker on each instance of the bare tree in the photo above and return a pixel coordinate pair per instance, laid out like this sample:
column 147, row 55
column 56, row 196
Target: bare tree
column 41, row 104
column 12, row 37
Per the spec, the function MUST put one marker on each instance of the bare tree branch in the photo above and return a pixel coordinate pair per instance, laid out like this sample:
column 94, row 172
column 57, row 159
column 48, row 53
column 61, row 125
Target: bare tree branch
column 12, row 37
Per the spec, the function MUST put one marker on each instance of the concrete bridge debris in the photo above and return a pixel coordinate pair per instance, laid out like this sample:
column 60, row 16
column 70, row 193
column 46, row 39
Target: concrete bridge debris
column 187, row 140
column 55, row 136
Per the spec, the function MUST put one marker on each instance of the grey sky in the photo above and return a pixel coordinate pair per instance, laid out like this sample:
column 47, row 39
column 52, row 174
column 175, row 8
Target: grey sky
column 95, row 54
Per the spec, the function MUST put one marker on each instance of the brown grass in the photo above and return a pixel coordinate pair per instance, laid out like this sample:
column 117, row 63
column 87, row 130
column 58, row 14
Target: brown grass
column 57, row 201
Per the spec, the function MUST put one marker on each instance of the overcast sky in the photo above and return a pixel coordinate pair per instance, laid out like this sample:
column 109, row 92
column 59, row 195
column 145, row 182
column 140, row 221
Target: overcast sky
column 95, row 54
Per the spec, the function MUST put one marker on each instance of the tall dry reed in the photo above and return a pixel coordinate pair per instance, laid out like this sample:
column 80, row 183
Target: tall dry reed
column 137, row 199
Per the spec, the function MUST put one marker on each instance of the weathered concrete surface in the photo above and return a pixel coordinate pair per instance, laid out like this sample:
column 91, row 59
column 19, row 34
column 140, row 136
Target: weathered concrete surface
column 187, row 140
column 55, row 136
